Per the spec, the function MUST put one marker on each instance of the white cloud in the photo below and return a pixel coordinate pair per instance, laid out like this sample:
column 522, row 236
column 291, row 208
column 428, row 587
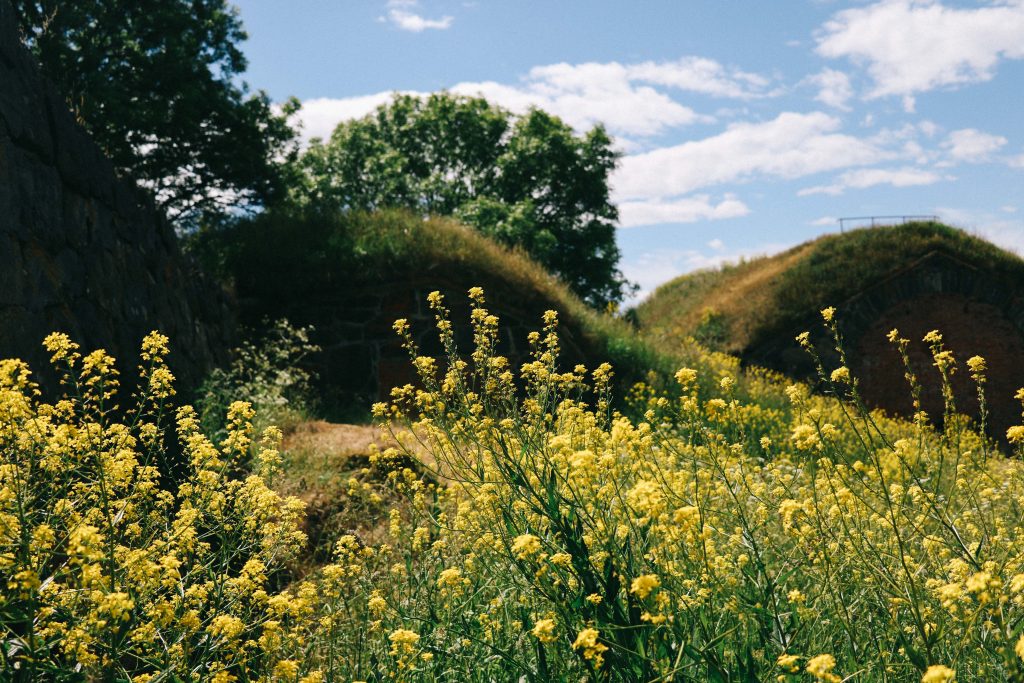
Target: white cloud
column 716, row 244
column 1017, row 161
column 681, row 210
column 912, row 46
column 823, row 221
column 869, row 177
column 789, row 146
column 401, row 16
column 1008, row 233
column 697, row 74
column 630, row 99
column 929, row 128
column 622, row 96
column 972, row 145
column 320, row 116
column 834, row 89
column 586, row 94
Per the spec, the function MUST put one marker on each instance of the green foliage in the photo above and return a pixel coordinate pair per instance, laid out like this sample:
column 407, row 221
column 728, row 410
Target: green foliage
column 526, row 181
column 711, row 330
column 267, row 373
column 156, row 85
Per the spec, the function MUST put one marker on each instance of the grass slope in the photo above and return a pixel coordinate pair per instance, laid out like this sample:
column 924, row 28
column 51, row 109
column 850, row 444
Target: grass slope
column 277, row 258
column 736, row 306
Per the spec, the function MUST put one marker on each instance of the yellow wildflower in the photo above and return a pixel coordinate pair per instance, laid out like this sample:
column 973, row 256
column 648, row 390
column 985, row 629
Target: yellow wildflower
column 841, row 375
column 587, row 640
column 403, row 641
column 788, row 663
column 643, row 585
column 450, row 578
column 937, row 673
column 226, row 626
column 286, row 670
column 376, row 603
column 821, row 667
column 544, row 630
column 686, row 376
column 526, row 545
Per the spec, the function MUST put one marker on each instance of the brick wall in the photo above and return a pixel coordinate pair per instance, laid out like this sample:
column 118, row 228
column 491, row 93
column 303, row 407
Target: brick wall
column 978, row 313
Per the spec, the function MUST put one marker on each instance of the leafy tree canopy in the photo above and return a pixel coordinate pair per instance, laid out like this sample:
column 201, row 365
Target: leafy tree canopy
column 155, row 83
column 528, row 181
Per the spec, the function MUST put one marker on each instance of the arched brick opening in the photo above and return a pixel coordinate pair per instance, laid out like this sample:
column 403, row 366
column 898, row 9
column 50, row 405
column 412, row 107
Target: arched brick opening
column 977, row 312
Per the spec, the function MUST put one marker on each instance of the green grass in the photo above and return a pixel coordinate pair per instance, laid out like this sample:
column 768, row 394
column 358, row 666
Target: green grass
column 758, row 299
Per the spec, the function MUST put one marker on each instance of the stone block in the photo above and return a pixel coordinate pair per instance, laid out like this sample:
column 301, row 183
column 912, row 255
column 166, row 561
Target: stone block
column 81, row 250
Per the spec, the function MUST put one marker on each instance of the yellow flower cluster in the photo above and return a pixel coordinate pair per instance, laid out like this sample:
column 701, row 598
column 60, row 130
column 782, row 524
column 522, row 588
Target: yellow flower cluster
column 733, row 529
column 718, row 531
column 117, row 560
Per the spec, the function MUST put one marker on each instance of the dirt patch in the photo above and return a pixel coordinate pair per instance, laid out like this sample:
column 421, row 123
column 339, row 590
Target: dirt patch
column 337, row 440
column 328, row 467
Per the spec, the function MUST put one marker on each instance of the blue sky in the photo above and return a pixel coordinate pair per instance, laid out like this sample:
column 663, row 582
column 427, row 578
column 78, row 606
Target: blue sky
column 746, row 127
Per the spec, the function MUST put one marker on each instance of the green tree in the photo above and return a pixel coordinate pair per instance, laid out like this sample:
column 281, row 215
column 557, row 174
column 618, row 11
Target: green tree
column 527, row 181
column 155, row 82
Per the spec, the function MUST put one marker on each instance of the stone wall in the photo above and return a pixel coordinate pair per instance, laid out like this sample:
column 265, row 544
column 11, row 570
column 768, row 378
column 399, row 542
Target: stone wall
column 977, row 312
column 82, row 251
column 362, row 357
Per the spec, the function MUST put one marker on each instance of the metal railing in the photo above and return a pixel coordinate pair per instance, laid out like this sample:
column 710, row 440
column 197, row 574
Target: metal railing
column 884, row 220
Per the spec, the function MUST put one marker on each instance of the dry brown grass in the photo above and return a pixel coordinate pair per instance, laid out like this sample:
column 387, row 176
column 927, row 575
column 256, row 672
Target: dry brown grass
column 745, row 299
column 328, row 467
column 741, row 294
column 335, row 441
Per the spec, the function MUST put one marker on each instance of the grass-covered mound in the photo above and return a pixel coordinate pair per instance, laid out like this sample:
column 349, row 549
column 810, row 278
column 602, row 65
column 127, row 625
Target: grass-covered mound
column 351, row 275
column 739, row 305
column 914, row 277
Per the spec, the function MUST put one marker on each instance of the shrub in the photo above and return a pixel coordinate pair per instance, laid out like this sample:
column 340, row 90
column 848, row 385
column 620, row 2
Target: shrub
column 267, row 373
column 305, row 263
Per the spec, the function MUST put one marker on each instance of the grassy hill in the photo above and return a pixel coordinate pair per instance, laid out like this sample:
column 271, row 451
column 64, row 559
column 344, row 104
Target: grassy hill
column 738, row 306
column 916, row 277
column 352, row 275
